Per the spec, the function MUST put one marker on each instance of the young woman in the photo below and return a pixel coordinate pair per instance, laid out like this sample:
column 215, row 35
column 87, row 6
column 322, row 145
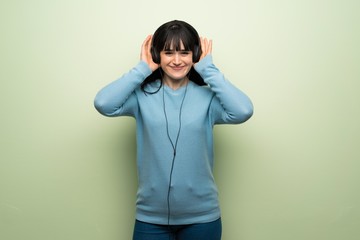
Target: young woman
column 176, row 94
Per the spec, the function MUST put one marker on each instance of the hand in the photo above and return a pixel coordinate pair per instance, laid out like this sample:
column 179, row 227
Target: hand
column 206, row 47
column 145, row 54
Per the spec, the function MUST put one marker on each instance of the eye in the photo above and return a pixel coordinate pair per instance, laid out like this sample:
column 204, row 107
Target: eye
column 168, row 52
column 184, row 53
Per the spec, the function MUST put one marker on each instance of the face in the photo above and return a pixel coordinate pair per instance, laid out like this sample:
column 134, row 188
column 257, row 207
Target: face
column 176, row 64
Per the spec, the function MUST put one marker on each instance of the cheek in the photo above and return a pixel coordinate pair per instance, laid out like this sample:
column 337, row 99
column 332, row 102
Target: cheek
column 163, row 62
column 189, row 61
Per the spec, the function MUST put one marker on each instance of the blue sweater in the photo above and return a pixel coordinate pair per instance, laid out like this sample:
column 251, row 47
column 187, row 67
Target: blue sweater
column 192, row 196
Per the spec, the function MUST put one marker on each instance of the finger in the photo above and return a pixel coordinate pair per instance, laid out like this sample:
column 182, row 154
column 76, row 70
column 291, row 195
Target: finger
column 147, row 44
column 143, row 45
column 207, row 46
column 144, row 48
column 202, row 44
column 147, row 41
column 210, row 46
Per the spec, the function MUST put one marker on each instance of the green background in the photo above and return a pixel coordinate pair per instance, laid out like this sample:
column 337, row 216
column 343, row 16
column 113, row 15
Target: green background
column 289, row 173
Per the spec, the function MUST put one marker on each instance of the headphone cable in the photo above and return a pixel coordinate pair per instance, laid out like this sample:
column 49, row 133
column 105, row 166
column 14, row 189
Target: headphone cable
column 174, row 145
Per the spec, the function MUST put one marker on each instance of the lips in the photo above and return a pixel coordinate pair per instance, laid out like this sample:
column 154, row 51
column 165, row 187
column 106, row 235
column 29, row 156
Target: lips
column 177, row 68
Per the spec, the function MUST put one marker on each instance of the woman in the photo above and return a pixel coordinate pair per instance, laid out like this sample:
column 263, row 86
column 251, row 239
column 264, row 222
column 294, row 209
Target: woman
column 176, row 95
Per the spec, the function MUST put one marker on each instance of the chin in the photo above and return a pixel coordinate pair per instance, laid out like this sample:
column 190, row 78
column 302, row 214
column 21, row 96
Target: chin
column 178, row 78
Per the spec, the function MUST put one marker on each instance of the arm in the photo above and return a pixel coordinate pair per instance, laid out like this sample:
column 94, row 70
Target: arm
column 110, row 101
column 230, row 104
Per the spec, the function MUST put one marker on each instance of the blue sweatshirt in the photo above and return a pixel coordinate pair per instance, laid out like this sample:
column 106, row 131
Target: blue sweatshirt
column 180, row 189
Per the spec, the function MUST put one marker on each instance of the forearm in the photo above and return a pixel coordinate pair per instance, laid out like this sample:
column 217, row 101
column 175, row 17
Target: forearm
column 237, row 107
column 110, row 99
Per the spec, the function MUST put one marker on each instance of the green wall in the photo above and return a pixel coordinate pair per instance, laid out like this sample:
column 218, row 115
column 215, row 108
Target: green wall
column 291, row 173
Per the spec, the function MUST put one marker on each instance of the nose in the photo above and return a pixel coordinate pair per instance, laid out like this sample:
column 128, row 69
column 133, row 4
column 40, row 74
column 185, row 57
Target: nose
column 177, row 58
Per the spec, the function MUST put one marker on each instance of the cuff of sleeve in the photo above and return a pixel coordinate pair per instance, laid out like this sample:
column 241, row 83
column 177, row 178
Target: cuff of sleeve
column 143, row 68
column 203, row 63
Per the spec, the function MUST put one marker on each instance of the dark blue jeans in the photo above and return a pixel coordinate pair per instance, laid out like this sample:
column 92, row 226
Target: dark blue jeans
column 199, row 231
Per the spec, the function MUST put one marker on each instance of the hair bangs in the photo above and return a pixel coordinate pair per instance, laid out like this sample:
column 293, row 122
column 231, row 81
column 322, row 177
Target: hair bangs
column 175, row 39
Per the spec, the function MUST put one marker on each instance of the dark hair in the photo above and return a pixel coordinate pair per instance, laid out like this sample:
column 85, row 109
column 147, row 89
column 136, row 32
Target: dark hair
column 174, row 33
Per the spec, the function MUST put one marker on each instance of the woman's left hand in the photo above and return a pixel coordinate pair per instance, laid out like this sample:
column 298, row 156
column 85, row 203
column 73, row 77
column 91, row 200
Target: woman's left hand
column 206, row 47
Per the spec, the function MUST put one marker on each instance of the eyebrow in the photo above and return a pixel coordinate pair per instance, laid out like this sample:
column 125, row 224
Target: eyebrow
column 174, row 50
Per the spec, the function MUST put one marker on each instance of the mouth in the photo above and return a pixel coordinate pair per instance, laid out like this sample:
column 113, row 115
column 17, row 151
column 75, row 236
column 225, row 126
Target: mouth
column 177, row 68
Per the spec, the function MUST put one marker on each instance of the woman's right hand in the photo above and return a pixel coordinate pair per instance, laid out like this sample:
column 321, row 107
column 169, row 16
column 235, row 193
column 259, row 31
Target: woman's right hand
column 145, row 54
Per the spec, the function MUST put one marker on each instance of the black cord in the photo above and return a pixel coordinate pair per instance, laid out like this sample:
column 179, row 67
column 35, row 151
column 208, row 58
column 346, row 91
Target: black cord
column 174, row 146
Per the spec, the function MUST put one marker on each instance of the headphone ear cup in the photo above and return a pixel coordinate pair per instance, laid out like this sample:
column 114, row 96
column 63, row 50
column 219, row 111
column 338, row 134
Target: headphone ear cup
column 196, row 54
column 155, row 56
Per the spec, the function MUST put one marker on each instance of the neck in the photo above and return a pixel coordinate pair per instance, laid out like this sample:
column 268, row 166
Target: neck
column 175, row 84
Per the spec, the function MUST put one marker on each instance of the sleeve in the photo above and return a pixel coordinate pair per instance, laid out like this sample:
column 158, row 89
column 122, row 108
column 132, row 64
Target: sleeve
column 118, row 98
column 230, row 105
